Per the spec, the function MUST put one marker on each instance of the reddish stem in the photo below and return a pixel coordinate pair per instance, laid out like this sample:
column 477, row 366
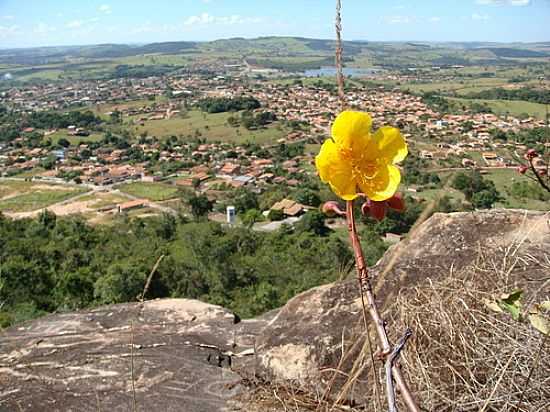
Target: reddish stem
column 365, row 288
column 539, row 179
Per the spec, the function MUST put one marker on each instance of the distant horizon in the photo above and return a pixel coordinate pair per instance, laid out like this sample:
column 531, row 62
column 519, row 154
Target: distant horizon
column 282, row 36
column 55, row 23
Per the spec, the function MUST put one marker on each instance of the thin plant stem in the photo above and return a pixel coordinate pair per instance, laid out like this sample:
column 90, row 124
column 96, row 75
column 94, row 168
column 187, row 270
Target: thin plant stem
column 367, row 296
column 531, row 371
column 537, row 175
column 338, row 62
column 390, row 362
column 148, row 283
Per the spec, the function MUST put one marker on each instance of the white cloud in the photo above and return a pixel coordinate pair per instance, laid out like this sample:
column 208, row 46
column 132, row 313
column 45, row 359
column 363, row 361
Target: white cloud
column 477, row 16
column 8, row 31
column 398, row 19
column 75, row 24
column 519, row 3
column 105, row 8
column 435, row 19
column 206, row 19
column 7, row 17
column 43, row 28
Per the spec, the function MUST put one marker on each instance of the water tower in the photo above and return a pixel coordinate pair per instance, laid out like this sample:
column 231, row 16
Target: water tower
column 231, row 214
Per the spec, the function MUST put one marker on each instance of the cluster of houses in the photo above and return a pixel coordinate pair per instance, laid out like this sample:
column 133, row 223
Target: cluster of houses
column 212, row 169
column 105, row 166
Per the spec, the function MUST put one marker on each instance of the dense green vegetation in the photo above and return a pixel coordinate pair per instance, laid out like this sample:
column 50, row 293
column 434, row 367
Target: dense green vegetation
column 481, row 192
column 141, row 71
column 436, row 102
column 293, row 65
column 527, row 94
column 52, row 264
column 13, row 124
column 225, row 104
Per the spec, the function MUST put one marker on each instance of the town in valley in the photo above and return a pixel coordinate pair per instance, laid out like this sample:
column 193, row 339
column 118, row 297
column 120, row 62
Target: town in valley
column 140, row 133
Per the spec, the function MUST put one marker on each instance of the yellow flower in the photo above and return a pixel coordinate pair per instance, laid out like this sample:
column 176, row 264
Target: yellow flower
column 354, row 159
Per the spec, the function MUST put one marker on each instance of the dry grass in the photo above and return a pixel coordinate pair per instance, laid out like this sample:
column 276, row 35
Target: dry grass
column 462, row 357
column 466, row 357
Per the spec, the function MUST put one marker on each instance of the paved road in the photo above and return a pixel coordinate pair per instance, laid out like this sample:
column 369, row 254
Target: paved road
column 272, row 226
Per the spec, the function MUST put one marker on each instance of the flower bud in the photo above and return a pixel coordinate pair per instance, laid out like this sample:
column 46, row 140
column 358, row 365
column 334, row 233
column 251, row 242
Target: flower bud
column 396, row 202
column 377, row 210
column 332, row 209
column 365, row 209
column 531, row 154
column 522, row 169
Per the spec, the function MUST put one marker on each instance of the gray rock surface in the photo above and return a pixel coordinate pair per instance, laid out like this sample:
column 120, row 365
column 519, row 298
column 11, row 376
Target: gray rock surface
column 183, row 353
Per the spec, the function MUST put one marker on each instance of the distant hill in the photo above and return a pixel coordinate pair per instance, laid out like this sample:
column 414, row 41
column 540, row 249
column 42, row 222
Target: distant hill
column 515, row 53
column 390, row 54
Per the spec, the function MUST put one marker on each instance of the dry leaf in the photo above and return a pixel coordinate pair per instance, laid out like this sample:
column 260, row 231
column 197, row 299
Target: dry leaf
column 540, row 323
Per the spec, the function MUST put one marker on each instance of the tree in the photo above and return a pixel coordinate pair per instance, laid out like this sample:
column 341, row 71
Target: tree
column 313, row 222
column 200, row 206
column 484, row 199
column 308, row 197
column 47, row 219
column 481, row 192
column 250, row 217
column 63, row 142
column 167, row 226
column 49, row 162
column 123, row 283
column 245, row 200
column 275, row 215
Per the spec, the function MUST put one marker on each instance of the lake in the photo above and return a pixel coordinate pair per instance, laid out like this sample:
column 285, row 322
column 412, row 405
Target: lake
column 330, row 71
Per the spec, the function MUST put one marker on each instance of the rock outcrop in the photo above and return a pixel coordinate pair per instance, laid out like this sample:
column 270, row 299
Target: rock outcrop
column 303, row 342
column 179, row 352
column 184, row 355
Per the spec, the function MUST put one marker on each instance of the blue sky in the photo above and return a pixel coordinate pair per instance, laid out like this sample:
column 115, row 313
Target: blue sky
column 26, row 23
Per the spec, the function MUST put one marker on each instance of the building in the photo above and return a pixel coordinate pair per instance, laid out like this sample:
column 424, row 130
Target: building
column 231, row 215
column 132, row 204
column 290, row 207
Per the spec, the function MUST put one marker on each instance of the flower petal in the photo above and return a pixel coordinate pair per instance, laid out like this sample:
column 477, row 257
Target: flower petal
column 391, row 144
column 344, row 186
column 350, row 126
column 383, row 185
column 327, row 157
column 336, row 171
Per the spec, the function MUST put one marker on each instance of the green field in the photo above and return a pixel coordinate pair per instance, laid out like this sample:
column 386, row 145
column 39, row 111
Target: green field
column 74, row 140
column 503, row 179
column 153, row 59
column 19, row 196
column 511, row 107
column 210, row 126
column 152, row 191
column 459, row 87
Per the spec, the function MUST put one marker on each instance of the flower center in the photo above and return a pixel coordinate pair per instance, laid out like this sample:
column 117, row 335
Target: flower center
column 362, row 169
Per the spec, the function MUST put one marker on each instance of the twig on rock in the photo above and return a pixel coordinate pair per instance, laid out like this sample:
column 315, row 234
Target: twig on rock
column 148, row 283
column 390, row 362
